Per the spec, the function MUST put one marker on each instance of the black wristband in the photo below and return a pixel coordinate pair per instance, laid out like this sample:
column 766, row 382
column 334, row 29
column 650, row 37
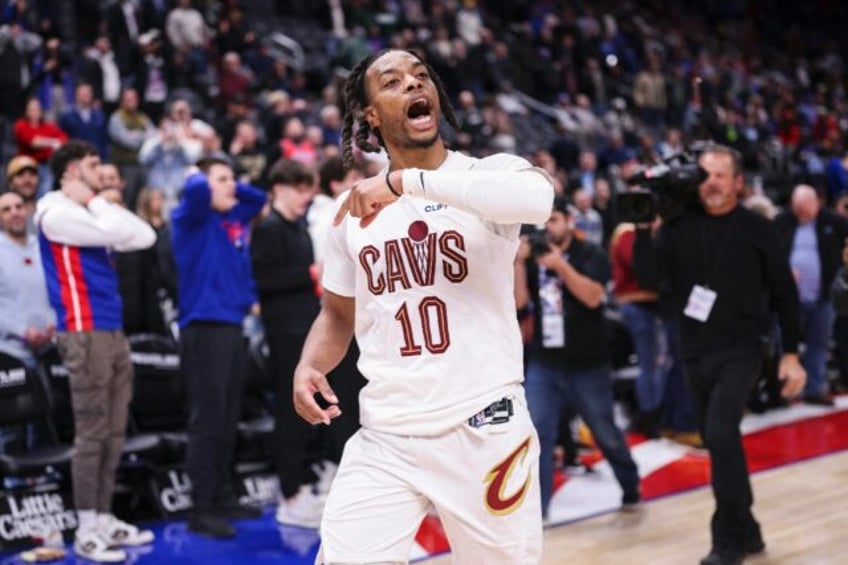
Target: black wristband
column 389, row 184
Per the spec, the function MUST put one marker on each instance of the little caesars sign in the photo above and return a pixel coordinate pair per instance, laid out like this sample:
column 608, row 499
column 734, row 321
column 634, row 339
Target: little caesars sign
column 175, row 490
column 33, row 515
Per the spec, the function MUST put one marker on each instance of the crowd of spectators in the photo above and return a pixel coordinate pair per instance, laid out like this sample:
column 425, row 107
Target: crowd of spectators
column 168, row 81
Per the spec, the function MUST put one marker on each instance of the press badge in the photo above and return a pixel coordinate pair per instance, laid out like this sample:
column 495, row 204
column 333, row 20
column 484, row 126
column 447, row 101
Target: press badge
column 553, row 313
column 553, row 330
column 700, row 303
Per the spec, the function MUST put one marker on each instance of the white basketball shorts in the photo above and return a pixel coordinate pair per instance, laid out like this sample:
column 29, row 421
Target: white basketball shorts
column 483, row 482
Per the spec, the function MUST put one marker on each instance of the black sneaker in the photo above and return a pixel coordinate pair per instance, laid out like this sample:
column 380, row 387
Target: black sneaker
column 723, row 557
column 820, row 400
column 754, row 546
column 211, row 526
column 238, row 511
column 631, row 501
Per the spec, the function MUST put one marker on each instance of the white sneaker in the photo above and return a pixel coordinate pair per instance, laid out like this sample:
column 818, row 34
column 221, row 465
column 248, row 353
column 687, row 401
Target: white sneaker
column 118, row 533
column 90, row 545
column 299, row 540
column 303, row 509
column 326, row 471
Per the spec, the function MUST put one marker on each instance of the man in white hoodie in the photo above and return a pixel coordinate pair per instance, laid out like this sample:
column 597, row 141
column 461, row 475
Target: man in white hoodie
column 78, row 229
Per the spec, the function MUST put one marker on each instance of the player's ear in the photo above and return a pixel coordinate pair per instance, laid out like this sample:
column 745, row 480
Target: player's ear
column 371, row 116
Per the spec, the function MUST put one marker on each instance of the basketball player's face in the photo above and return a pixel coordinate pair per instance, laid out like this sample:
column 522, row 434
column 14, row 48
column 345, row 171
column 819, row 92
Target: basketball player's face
column 404, row 102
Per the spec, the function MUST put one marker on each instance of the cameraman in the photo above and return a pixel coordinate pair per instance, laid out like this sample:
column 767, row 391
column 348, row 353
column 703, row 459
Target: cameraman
column 568, row 361
column 722, row 269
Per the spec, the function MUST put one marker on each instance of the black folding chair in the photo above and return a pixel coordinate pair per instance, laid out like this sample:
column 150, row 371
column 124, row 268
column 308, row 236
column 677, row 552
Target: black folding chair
column 24, row 402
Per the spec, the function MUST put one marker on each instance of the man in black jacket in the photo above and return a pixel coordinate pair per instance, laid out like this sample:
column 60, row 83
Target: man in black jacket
column 286, row 276
column 721, row 268
column 813, row 238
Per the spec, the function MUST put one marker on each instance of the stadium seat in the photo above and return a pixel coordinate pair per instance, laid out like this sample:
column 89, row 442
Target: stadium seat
column 23, row 402
column 159, row 392
column 54, row 378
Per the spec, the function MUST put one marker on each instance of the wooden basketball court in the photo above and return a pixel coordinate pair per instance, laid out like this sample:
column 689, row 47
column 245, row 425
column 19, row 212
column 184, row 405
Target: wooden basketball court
column 802, row 508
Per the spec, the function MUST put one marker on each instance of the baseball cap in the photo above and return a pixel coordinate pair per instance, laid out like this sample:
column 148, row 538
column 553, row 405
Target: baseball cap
column 19, row 163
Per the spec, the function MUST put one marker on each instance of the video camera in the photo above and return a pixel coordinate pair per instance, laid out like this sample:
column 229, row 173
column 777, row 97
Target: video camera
column 671, row 184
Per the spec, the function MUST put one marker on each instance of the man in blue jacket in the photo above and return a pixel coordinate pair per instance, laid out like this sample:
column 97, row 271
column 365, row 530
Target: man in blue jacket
column 86, row 121
column 216, row 291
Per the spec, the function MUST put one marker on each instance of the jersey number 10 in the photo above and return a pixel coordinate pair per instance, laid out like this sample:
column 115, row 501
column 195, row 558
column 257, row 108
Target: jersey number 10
column 436, row 335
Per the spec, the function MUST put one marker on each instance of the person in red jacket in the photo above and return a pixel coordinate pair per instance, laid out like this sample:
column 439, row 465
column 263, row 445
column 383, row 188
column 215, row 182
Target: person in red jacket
column 38, row 138
column 661, row 392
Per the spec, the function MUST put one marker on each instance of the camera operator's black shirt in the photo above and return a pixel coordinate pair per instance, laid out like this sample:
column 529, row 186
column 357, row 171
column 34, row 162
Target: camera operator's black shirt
column 586, row 344
column 737, row 255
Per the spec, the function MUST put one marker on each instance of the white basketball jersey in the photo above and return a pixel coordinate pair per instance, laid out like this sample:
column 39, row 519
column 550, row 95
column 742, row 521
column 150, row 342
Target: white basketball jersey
column 435, row 311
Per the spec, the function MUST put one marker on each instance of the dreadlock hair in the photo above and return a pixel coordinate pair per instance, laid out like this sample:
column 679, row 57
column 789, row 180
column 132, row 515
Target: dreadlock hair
column 356, row 99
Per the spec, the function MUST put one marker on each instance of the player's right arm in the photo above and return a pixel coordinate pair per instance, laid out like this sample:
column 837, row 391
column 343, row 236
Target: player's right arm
column 326, row 345
column 515, row 193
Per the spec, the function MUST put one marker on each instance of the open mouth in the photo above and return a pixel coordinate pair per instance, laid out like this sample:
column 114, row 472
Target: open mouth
column 420, row 113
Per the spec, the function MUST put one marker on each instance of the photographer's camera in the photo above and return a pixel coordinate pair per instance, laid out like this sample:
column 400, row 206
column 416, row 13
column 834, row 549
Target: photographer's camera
column 540, row 243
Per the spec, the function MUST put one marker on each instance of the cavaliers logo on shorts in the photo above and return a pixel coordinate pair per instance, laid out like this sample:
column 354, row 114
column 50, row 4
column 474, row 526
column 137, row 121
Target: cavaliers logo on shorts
column 497, row 501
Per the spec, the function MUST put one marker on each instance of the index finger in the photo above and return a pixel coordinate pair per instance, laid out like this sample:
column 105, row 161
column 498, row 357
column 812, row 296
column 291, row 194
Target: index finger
column 343, row 209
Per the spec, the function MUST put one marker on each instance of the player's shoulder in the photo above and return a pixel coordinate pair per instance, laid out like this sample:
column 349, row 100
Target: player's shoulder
column 499, row 162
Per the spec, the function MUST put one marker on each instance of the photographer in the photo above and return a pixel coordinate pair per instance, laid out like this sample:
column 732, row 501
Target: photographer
column 568, row 361
column 721, row 268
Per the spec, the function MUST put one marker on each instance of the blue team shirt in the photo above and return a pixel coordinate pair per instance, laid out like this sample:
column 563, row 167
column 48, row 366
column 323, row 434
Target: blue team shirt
column 214, row 277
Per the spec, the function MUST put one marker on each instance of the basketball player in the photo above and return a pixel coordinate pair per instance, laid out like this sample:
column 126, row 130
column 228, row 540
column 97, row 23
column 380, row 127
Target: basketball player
column 418, row 265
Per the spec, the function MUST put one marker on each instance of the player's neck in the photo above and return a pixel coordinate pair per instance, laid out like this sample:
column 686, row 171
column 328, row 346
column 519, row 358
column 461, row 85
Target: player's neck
column 427, row 158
